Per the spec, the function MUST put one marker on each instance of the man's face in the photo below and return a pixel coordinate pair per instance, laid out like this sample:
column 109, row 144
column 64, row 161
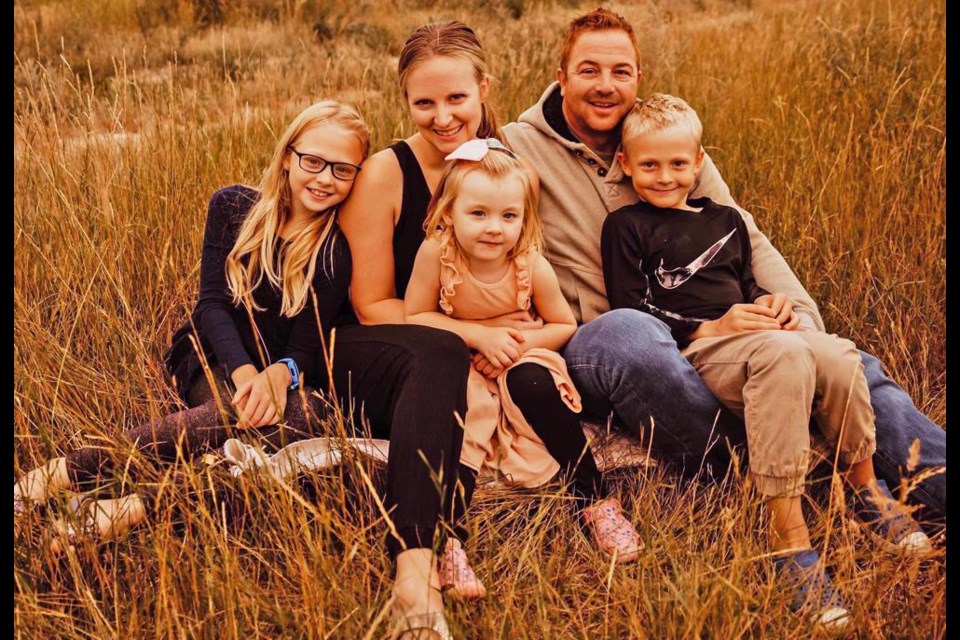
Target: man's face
column 599, row 86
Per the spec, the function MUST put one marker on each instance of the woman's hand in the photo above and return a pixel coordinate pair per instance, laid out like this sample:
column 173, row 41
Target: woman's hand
column 519, row 320
column 782, row 307
column 499, row 345
column 261, row 400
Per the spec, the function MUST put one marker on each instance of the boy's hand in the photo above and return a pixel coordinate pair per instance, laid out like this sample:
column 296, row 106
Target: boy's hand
column 500, row 346
column 782, row 307
column 738, row 319
column 483, row 366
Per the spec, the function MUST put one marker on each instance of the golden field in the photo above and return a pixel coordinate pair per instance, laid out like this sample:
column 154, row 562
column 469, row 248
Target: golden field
column 827, row 119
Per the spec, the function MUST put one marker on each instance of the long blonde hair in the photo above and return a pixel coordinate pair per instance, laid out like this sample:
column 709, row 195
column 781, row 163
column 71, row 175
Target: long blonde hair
column 254, row 253
column 456, row 40
column 497, row 164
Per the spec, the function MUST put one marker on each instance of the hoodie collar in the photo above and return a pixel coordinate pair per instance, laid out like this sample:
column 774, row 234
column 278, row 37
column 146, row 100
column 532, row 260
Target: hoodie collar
column 547, row 117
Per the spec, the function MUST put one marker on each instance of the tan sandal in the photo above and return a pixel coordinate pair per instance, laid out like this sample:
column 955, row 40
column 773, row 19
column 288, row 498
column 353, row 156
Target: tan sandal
column 431, row 625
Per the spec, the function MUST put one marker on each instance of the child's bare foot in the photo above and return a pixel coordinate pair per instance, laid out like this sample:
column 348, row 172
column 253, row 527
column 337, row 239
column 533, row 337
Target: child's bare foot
column 456, row 576
column 97, row 520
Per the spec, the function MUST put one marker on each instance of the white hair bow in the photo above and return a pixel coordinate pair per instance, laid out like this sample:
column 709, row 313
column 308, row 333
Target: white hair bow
column 476, row 150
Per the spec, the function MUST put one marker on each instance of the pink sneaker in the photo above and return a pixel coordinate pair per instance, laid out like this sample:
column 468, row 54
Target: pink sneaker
column 456, row 576
column 614, row 534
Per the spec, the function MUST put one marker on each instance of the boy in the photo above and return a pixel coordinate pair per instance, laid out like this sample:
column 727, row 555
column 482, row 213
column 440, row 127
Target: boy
column 688, row 264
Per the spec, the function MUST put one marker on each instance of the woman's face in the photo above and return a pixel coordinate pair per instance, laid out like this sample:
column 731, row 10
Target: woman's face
column 445, row 101
column 313, row 189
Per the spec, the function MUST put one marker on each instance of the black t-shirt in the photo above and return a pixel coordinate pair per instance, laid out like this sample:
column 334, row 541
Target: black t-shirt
column 683, row 267
column 225, row 333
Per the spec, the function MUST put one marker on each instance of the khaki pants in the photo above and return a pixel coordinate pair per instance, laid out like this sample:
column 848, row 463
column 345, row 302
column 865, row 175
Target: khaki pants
column 773, row 379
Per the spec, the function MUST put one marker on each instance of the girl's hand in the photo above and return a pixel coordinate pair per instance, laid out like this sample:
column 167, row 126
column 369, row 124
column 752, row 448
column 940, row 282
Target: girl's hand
column 782, row 308
column 262, row 399
column 500, row 346
column 483, row 366
column 243, row 374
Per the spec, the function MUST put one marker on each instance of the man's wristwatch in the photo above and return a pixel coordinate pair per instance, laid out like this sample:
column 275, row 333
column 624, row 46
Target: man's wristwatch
column 294, row 372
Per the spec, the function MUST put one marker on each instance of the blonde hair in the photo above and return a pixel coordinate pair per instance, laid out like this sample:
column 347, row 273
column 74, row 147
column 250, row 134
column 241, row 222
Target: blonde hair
column 497, row 164
column 658, row 112
column 456, row 40
column 253, row 256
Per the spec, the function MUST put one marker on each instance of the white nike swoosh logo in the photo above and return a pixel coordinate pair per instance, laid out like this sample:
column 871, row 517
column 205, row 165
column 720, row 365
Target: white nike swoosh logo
column 673, row 278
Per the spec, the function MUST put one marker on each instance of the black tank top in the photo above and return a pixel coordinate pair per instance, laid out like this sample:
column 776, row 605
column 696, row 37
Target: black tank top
column 408, row 233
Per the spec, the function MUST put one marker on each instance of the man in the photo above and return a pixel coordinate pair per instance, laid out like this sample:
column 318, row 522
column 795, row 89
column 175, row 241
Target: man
column 626, row 361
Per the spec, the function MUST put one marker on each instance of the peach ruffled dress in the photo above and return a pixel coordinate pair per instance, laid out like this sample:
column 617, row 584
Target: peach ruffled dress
column 496, row 435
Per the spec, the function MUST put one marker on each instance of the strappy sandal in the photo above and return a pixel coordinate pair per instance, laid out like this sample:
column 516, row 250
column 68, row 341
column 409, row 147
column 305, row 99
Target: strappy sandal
column 431, row 625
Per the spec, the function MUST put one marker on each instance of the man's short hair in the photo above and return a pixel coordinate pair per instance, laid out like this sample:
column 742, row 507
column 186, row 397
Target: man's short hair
column 659, row 112
column 599, row 19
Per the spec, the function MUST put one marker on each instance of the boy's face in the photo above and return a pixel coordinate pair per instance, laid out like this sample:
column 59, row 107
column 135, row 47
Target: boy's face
column 663, row 166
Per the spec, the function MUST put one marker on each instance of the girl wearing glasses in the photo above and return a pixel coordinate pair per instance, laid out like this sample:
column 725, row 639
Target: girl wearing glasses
column 273, row 262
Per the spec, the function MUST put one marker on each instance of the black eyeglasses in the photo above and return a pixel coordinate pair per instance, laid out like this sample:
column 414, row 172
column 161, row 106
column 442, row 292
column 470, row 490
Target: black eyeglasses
column 315, row 164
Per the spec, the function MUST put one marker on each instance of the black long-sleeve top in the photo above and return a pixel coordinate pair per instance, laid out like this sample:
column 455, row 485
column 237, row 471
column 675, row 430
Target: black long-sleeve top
column 682, row 267
column 225, row 333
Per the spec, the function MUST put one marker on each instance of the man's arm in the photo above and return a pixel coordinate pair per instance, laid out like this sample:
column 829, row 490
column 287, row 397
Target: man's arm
column 769, row 267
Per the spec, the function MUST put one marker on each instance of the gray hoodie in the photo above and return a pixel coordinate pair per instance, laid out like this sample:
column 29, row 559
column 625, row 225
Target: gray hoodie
column 578, row 188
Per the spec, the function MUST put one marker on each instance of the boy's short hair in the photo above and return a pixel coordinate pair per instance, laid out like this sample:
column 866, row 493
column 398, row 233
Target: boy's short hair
column 658, row 112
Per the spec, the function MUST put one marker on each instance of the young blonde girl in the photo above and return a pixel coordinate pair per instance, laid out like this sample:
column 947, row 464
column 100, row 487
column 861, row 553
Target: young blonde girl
column 481, row 260
column 273, row 261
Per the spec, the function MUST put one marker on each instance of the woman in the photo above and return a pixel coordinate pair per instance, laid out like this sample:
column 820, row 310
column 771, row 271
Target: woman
column 412, row 378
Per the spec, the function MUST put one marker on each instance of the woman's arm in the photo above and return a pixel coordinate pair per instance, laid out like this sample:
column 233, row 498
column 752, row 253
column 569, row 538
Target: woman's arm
column 499, row 344
column 559, row 323
column 367, row 219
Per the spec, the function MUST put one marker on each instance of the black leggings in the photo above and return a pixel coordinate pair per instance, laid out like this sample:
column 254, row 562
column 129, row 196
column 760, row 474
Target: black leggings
column 409, row 382
column 189, row 433
column 535, row 394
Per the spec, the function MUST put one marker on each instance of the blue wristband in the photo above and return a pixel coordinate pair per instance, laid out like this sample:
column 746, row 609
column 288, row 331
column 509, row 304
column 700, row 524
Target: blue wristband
column 294, row 372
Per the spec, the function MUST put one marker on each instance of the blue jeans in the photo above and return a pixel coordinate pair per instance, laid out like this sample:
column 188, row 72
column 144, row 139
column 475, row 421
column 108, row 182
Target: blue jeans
column 626, row 362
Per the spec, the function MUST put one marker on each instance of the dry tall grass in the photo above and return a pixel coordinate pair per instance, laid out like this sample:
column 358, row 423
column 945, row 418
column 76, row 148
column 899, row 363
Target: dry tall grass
column 828, row 120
